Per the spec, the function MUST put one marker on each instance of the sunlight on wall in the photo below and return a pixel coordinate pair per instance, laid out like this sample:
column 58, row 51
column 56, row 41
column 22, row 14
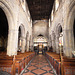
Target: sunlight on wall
column 49, row 22
column 23, row 5
column 56, row 4
column 52, row 16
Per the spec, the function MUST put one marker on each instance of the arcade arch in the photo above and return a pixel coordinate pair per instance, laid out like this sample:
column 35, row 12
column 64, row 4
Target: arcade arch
column 69, row 33
column 12, row 31
column 59, row 38
column 21, row 39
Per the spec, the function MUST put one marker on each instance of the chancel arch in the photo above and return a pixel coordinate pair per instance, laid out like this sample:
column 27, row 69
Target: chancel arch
column 40, row 43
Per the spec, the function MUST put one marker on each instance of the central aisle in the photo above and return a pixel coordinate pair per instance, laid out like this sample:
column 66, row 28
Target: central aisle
column 39, row 66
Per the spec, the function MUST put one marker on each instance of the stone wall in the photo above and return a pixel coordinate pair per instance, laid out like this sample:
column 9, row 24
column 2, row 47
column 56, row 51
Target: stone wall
column 40, row 27
column 61, row 16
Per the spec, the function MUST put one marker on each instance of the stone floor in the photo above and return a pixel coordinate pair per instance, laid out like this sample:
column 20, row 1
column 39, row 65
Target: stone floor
column 39, row 66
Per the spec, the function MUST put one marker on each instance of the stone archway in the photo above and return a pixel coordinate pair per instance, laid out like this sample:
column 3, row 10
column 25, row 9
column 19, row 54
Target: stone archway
column 58, row 32
column 21, row 39
column 11, row 47
column 68, row 33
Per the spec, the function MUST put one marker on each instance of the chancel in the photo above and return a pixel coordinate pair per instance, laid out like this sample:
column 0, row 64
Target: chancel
column 37, row 37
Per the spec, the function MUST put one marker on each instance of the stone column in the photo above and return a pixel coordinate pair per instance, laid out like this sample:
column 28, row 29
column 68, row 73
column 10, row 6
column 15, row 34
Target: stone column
column 48, row 46
column 50, row 42
column 23, row 44
column 68, row 42
column 12, row 45
column 27, row 45
column 53, row 43
column 30, row 45
column 57, row 44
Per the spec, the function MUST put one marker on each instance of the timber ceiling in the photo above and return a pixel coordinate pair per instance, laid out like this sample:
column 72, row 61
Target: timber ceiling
column 40, row 9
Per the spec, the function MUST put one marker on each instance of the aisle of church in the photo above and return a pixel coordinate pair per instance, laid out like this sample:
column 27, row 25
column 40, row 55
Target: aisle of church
column 39, row 66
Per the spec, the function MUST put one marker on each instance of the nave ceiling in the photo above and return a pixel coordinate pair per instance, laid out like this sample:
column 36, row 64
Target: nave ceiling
column 40, row 9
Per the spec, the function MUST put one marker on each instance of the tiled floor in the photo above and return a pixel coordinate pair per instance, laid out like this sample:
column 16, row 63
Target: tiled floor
column 39, row 66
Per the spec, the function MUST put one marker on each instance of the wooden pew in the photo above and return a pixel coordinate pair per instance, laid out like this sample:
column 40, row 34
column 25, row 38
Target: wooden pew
column 67, row 66
column 55, row 61
column 21, row 61
column 24, row 58
column 6, row 60
column 7, row 65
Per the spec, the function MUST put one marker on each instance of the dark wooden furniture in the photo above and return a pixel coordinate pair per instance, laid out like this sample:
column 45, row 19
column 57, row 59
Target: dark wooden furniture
column 15, row 64
column 55, row 61
column 67, row 65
